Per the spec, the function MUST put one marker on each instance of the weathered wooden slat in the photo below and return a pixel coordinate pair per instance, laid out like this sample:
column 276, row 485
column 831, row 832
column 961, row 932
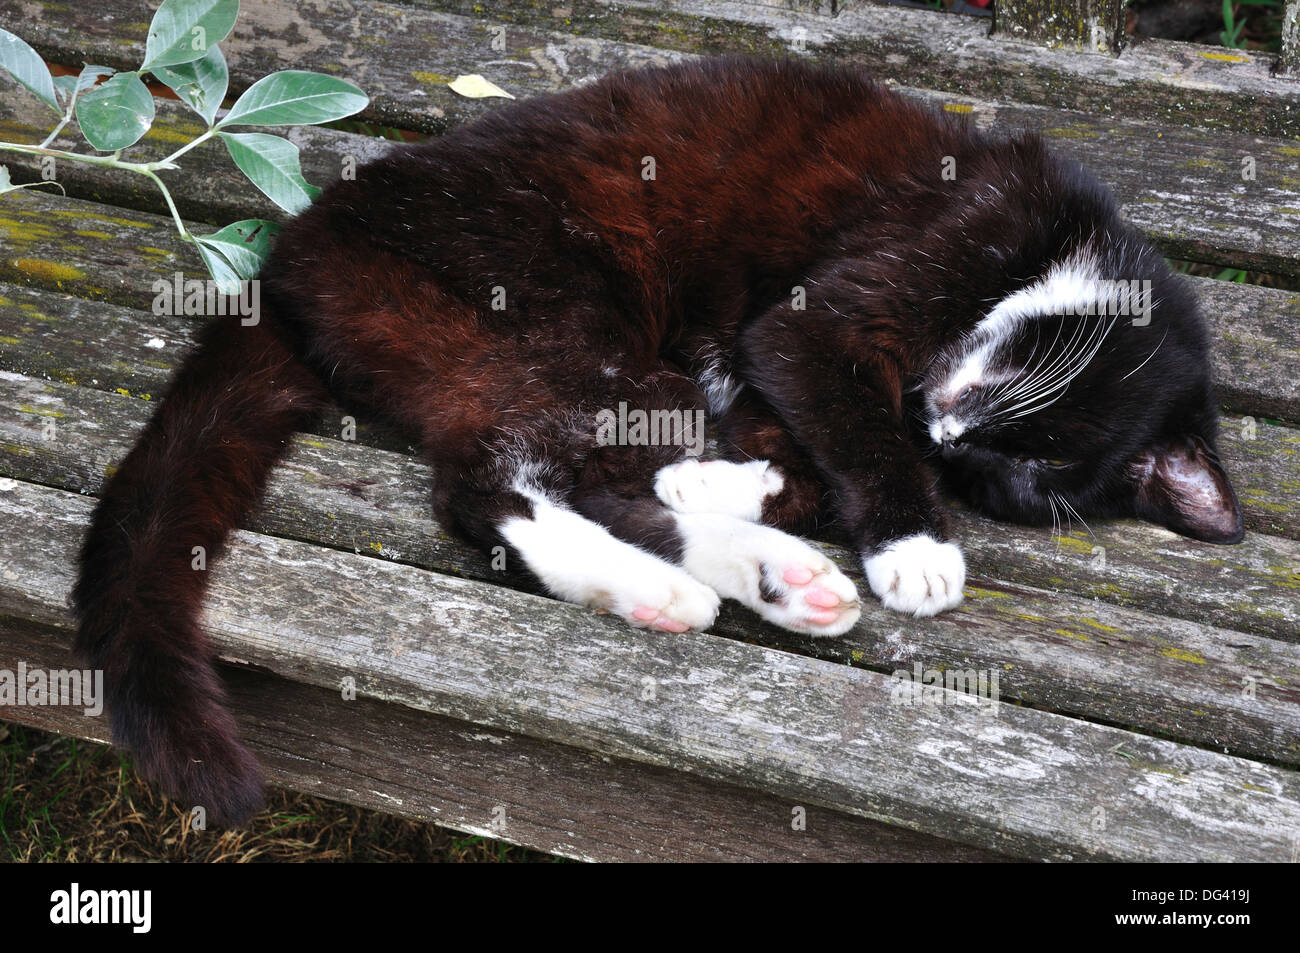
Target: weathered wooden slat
column 1093, row 25
column 1181, row 83
column 384, row 46
column 47, row 242
column 1201, row 195
column 1289, row 62
column 1219, row 689
column 411, row 52
column 547, row 796
column 108, row 347
column 1014, row 780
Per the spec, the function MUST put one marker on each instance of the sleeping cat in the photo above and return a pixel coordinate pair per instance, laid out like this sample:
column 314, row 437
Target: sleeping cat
column 864, row 294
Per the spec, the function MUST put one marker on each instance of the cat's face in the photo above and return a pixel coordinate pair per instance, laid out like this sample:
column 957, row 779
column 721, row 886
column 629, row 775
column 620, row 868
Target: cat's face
column 1048, row 414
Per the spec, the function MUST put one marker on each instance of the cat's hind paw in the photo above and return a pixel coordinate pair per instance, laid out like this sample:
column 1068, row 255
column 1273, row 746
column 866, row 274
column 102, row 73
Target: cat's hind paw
column 918, row 575
column 718, row 486
column 674, row 603
column 780, row 577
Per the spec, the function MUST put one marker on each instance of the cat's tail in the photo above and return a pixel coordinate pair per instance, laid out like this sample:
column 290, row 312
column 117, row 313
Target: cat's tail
column 196, row 471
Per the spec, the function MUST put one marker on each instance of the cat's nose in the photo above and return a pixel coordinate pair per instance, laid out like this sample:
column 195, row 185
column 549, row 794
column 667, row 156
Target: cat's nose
column 946, row 429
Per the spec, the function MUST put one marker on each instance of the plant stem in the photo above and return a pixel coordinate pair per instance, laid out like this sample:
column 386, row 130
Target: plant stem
column 176, row 216
column 162, row 163
column 113, row 162
column 67, row 117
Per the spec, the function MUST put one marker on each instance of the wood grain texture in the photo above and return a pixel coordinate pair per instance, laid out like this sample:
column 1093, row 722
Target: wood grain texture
column 1177, row 678
column 387, row 45
column 100, row 253
column 1166, row 81
column 1289, row 62
column 503, row 785
column 1093, row 25
column 999, row 777
column 1218, row 196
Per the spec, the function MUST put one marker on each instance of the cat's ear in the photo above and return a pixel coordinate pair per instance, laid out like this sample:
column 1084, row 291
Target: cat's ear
column 1181, row 484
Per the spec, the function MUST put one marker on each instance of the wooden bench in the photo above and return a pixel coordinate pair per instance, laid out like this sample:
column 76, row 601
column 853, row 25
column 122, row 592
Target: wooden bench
column 1149, row 685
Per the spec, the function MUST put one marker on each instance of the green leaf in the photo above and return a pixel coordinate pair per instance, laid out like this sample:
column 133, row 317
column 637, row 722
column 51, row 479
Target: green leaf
column 244, row 245
column 221, row 271
column 116, row 114
column 272, row 165
column 201, row 85
column 294, row 97
column 26, row 66
column 183, row 31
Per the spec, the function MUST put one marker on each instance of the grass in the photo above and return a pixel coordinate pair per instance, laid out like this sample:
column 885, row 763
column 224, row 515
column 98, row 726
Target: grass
column 1236, row 275
column 62, row 799
column 1252, row 24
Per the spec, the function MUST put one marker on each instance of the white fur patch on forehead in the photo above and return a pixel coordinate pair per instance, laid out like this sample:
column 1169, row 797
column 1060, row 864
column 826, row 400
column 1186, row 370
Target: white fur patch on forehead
column 1067, row 288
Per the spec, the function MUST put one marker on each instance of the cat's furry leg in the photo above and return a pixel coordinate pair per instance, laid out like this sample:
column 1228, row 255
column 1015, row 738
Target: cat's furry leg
column 521, row 506
column 766, row 477
column 837, row 381
column 732, row 489
column 780, row 577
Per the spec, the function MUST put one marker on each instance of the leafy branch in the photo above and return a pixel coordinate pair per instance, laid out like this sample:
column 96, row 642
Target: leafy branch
column 182, row 52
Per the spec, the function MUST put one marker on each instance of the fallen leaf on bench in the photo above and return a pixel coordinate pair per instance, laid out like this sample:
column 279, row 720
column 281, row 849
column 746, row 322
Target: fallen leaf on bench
column 475, row 86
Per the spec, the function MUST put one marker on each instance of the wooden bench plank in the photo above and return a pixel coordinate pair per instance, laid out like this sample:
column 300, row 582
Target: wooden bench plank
column 48, row 242
column 547, row 46
column 1093, row 25
column 61, row 338
column 1184, row 186
column 1179, row 83
column 1219, row 689
column 1009, row 779
column 552, row 797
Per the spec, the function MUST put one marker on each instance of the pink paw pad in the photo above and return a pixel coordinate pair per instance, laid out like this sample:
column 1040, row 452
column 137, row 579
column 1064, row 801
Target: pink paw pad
column 821, row 606
column 821, row 597
column 797, row 575
column 657, row 620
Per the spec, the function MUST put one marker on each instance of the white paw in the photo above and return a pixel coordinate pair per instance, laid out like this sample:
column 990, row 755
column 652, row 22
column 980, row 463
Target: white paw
column 919, row 575
column 718, row 486
column 666, row 598
column 779, row 576
column 579, row 561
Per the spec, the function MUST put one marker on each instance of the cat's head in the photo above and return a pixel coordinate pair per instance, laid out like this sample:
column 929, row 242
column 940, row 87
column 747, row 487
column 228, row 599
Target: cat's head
column 1086, row 392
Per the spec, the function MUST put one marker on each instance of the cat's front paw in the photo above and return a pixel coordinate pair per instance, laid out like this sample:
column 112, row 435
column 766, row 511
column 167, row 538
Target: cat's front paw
column 718, row 486
column 918, row 575
column 778, row 576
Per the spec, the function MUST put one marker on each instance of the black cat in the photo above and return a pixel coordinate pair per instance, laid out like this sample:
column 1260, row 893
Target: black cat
column 863, row 293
